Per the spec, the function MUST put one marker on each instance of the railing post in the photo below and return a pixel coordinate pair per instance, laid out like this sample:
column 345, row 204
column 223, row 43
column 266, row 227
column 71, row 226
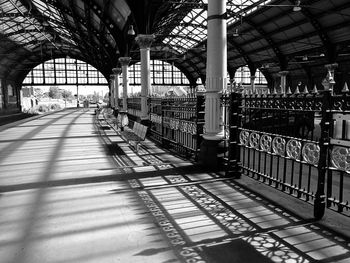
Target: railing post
column 199, row 122
column 233, row 167
column 320, row 197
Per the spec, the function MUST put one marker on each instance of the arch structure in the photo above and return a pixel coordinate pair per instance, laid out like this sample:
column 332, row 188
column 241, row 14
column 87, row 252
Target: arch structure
column 161, row 73
column 300, row 37
column 64, row 71
column 243, row 75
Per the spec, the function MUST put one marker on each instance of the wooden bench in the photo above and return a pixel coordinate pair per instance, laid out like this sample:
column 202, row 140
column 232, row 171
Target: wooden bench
column 135, row 135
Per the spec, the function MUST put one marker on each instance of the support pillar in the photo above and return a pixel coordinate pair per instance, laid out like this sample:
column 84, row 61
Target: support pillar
column 124, row 61
column 111, row 91
column 215, row 82
column 116, row 72
column 252, row 84
column 145, row 42
column 329, row 82
column 283, row 75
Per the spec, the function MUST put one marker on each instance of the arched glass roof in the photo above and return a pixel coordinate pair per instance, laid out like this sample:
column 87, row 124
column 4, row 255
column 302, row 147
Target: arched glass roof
column 192, row 30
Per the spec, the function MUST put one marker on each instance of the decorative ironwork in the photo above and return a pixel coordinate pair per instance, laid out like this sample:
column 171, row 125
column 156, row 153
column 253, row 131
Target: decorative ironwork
column 177, row 124
column 278, row 145
column 311, row 153
column 265, row 143
column 293, row 149
column 341, row 158
column 254, row 140
column 243, row 138
column 194, row 129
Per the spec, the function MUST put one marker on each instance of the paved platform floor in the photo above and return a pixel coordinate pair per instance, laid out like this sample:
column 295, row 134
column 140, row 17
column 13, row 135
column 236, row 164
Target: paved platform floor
column 72, row 190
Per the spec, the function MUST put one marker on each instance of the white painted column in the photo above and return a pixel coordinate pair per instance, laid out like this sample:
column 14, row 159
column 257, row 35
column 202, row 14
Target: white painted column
column 216, row 68
column 124, row 61
column 145, row 42
column 329, row 82
column 283, row 75
column 116, row 72
column 111, row 90
column 252, row 84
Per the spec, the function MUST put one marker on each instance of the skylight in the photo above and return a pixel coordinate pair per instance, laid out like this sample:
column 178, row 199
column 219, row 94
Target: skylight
column 18, row 24
column 16, row 27
column 193, row 28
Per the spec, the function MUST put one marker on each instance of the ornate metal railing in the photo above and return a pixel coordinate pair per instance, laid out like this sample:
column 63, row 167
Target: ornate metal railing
column 177, row 123
column 294, row 144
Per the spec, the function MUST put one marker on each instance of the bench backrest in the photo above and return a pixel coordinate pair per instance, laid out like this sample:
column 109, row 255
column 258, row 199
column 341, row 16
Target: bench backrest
column 140, row 130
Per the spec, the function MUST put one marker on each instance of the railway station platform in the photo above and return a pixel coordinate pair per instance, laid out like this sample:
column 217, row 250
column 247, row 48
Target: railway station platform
column 72, row 190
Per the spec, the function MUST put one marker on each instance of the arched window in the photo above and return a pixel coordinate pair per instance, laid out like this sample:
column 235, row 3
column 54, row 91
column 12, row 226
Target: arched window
column 65, row 71
column 242, row 75
column 162, row 73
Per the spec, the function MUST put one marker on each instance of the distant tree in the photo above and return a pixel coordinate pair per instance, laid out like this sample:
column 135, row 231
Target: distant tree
column 96, row 96
column 38, row 93
column 66, row 95
column 54, row 92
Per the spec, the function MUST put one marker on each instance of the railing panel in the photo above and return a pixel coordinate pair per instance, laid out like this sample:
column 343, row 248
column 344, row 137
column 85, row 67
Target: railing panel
column 338, row 173
column 298, row 144
column 175, row 123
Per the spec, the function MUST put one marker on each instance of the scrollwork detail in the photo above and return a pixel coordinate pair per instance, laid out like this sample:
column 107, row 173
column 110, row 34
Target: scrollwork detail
column 311, row 153
column 278, row 145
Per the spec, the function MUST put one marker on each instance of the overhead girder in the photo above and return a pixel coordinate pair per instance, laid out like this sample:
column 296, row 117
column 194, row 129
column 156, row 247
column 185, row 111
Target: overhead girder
column 328, row 45
column 89, row 26
column 25, row 55
column 78, row 20
column 34, row 12
column 109, row 24
column 243, row 53
column 77, row 26
column 309, row 17
column 281, row 58
column 142, row 17
column 296, row 39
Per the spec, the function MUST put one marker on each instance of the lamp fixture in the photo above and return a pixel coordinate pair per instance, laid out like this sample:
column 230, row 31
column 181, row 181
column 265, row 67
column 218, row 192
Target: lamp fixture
column 131, row 31
column 235, row 32
column 297, row 7
column 305, row 58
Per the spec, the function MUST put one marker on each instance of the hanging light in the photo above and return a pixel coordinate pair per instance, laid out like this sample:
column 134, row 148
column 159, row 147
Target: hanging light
column 235, row 32
column 297, row 7
column 131, row 31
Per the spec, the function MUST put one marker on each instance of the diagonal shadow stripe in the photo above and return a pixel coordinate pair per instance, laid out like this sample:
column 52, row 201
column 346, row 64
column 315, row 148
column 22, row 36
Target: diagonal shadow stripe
column 16, row 144
column 39, row 195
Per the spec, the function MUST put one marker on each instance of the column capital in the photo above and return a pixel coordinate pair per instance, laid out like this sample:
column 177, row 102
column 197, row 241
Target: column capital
column 117, row 71
column 331, row 66
column 253, row 77
column 124, row 60
column 283, row 73
column 144, row 41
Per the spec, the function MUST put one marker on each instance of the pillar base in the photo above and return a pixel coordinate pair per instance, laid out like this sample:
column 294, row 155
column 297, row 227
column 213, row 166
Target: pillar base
column 208, row 155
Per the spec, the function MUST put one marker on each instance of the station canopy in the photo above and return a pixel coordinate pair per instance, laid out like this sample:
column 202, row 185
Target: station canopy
column 300, row 36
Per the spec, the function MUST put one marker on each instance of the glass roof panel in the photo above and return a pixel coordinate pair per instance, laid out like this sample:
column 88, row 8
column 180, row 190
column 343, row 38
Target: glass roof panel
column 54, row 19
column 239, row 8
column 193, row 28
column 17, row 27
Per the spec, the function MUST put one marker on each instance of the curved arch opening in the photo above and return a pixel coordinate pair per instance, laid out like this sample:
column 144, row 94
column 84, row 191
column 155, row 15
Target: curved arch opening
column 165, row 78
column 65, row 81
